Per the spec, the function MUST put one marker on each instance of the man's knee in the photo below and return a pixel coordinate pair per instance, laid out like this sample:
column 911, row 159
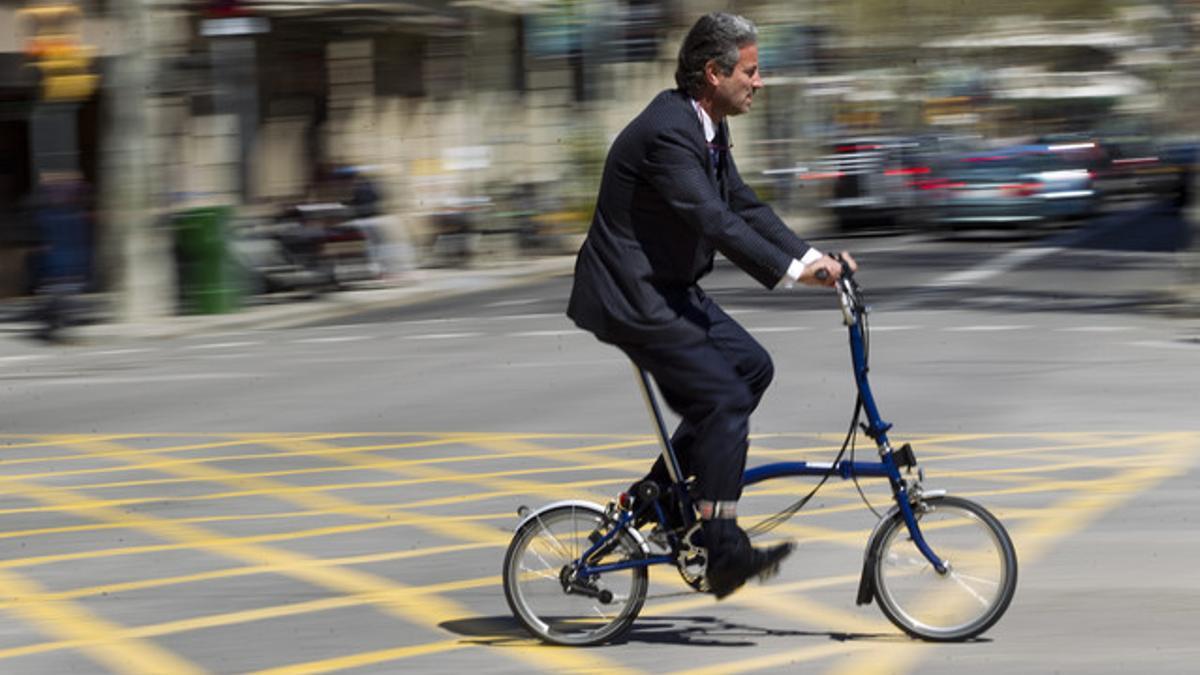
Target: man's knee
column 761, row 374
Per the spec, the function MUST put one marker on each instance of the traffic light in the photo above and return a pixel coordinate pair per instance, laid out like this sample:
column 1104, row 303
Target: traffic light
column 55, row 48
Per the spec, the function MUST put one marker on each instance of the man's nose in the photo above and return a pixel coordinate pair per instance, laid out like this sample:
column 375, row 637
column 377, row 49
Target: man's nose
column 757, row 82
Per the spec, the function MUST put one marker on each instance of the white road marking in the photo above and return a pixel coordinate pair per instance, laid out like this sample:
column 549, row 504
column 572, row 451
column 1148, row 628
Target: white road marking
column 225, row 334
column 118, row 352
column 560, row 364
column 460, row 319
column 224, row 345
column 510, row 303
column 332, row 338
column 991, row 268
column 138, row 379
column 442, row 336
column 547, row 333
column 1093, row 329
column 1168, row 344
column 777, row 329
column 986, row 328
column 21, row 357
column 527, row 317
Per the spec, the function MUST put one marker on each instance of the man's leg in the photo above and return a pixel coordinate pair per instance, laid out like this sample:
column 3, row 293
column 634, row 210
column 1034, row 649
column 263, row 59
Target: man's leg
column 750, row 361
column 714, row 384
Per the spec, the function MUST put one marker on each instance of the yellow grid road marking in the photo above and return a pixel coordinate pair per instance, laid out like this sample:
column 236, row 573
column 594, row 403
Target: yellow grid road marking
column 436, row 440
column 1051, row 456
column 232, row 572
column 365, row 659
column 92, row 635
column 1040, row 531
column 119, row 634
column 392, row 598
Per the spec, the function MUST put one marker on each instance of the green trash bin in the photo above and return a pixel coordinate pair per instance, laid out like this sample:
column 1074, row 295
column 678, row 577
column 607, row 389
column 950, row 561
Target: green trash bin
column 209, row 282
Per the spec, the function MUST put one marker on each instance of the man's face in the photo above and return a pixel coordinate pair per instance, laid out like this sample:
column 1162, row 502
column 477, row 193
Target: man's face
column 735, row 91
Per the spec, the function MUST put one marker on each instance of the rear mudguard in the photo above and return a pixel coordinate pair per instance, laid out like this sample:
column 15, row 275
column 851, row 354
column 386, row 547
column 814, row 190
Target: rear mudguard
column 584, row 505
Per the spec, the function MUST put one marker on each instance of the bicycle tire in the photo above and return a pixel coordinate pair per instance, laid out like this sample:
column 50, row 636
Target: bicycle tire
column 965, row 601
column 540, row 550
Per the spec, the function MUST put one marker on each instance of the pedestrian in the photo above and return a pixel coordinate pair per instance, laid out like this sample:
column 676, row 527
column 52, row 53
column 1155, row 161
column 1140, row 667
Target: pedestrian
column 670, row 197
column 62, row 212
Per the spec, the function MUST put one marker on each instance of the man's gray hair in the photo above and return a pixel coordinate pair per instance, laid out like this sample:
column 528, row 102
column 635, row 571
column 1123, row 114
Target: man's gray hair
column 717, row 36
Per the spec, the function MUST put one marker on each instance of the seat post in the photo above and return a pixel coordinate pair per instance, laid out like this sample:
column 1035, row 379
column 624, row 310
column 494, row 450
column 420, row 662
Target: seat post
column 664, row 438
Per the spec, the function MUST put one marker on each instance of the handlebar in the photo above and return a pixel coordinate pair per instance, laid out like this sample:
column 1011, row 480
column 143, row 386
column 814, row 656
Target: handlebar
column 849, row 292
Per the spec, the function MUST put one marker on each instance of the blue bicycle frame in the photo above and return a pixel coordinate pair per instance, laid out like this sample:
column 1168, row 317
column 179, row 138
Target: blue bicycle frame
column 889, row 466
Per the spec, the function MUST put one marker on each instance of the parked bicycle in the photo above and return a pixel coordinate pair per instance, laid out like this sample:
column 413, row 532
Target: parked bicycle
column 941, row 568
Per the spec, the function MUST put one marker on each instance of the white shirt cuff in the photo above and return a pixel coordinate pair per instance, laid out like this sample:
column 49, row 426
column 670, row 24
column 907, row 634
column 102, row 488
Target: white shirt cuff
column 796, row 269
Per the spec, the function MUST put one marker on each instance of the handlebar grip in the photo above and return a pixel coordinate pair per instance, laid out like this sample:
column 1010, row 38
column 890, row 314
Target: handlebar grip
column 823, row 274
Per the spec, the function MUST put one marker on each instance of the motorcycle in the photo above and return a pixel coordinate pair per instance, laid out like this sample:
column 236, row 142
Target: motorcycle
column 311, row 248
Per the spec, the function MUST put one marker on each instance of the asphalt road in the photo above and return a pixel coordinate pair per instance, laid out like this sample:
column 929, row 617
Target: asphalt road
column 338, row 496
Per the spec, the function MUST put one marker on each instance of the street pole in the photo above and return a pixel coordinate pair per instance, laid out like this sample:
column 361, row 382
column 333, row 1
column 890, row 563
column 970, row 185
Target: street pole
column 139, row 251
column 1183, row 96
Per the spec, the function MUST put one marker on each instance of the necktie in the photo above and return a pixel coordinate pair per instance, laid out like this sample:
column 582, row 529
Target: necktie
column 717, row 148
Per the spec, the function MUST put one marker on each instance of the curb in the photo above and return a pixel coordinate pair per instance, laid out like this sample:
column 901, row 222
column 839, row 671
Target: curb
column 438, row 286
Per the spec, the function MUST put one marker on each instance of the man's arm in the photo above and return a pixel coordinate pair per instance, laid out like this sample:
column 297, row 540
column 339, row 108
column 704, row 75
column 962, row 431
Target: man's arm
column 679, row 173
column 808, row 261
column 762, row 217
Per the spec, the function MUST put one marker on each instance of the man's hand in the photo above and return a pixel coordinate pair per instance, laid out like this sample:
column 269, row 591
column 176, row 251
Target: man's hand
column 832, row 270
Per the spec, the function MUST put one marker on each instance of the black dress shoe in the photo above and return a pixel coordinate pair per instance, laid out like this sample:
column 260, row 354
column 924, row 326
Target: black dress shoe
column 732, row 561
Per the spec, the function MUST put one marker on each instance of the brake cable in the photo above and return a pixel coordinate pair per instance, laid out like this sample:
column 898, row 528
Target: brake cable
column 775, row 520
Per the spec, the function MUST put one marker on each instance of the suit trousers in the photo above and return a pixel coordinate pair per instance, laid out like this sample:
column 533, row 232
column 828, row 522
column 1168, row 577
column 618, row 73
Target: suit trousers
column 713, row 384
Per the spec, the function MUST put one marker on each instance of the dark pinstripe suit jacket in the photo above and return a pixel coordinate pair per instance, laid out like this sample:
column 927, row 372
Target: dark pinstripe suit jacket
column 662, row 210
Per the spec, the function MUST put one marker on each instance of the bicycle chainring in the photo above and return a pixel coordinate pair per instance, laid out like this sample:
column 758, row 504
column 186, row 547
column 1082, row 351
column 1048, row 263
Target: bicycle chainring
column 692, row 562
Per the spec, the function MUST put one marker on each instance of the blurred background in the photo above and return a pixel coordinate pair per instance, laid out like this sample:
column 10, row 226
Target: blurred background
column 173, row 156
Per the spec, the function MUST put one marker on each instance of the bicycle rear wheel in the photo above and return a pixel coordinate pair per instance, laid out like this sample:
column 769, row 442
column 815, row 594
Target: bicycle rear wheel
column 974, row 592
column 541, row 556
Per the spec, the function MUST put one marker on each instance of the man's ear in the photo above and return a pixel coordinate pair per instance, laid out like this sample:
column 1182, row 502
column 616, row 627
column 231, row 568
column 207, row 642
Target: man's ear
column 711, row 72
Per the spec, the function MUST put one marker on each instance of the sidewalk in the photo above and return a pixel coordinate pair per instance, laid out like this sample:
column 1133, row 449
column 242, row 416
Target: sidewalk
column 422, row 285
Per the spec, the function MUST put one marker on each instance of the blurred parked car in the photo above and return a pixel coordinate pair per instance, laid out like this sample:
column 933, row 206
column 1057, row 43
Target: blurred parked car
column 1017, row 184
column 884, row 180
column 1184, row 155
column 1067, row 181
column 993, row 189
column 1135, row 168
column 871, row 180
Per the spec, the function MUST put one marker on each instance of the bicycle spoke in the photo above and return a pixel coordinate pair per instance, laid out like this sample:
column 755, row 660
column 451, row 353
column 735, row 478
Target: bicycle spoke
column 970, row 596
column 971, row 591
column 545, row 532
column 533, row 585
column 976, row 580
column 542, row 574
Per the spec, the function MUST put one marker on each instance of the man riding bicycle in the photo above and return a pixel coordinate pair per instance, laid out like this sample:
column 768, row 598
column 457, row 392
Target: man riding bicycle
column 670, row 197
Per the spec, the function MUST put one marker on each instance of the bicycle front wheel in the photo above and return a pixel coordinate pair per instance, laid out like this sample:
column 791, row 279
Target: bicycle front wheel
column 970, row 596
column 541, row 557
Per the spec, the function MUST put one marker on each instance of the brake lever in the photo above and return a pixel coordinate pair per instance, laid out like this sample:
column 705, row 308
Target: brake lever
column 847, row 290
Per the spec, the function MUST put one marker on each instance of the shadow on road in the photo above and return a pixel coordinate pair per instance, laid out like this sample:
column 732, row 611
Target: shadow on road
column 705, row 631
